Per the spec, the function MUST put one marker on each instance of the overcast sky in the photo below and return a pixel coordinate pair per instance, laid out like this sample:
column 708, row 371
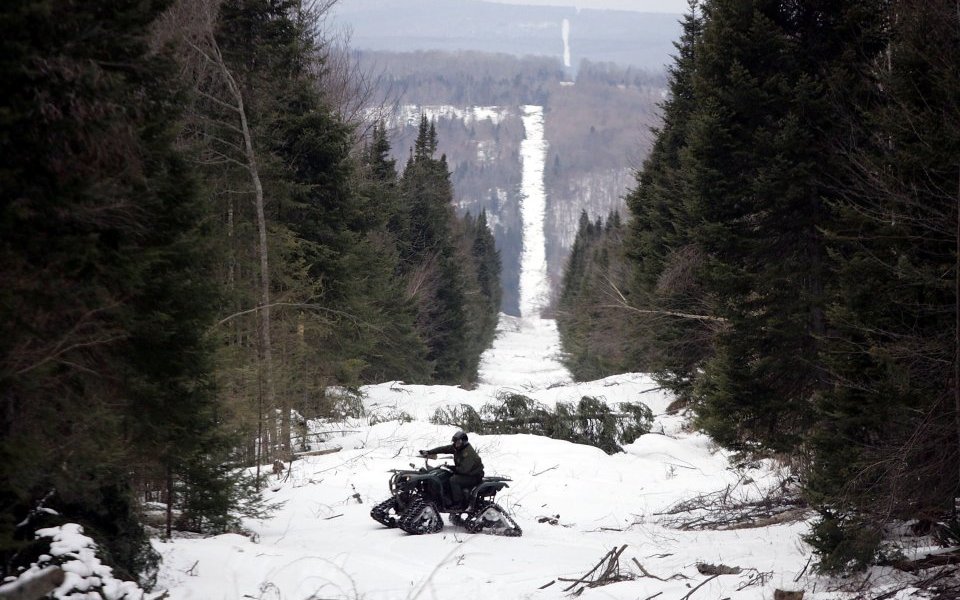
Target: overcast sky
column 663, row 6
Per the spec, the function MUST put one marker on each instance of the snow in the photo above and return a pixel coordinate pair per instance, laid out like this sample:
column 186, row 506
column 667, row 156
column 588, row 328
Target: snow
column 409, row 114
column 565, row 32
column 85, row 576
column 534, row 290
column 574, row 502
column 322, row 542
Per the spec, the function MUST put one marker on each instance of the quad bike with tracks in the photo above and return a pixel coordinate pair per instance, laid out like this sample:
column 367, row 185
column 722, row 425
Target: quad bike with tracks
column 418, row 497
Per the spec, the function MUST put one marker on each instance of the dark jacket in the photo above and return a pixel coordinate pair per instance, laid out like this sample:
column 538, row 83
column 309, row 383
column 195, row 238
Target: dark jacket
column 466, row 461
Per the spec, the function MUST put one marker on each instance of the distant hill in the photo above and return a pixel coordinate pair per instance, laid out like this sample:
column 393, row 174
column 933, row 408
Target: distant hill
column 597, row 132
column 447, row 56
column 623, row 37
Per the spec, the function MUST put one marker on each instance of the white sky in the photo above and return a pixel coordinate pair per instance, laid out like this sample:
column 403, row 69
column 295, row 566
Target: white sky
column 662, row 6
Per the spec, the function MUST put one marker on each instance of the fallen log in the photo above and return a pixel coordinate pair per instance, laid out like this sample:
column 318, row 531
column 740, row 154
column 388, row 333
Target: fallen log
column 927, row 562
column 319, row 452
column 35, row 587
column 708, row 569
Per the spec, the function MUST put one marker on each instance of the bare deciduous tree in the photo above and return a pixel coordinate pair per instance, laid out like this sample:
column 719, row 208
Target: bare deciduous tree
column 191, row 26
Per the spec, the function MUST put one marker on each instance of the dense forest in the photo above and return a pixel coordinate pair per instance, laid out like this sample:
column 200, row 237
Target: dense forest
column 790, row 264
column 197, row 241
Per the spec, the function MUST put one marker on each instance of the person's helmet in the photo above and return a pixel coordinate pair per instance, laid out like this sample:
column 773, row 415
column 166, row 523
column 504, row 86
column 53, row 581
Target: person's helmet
column 460, row 436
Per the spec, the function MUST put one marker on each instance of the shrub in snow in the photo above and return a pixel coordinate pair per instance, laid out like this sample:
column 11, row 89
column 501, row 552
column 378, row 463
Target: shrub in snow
column 591, row 421
column 390, row 414
column 85, row 576
column 464, row 416
column 339, row 403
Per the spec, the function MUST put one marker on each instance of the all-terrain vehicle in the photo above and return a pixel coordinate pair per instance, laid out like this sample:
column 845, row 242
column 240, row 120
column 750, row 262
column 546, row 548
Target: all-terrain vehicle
column 419, row 496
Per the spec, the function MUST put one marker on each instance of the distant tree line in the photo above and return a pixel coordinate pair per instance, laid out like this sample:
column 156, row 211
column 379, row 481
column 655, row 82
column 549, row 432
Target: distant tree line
column 589, row 309
column 195, row 242
column 793, row 255
column 462, row 78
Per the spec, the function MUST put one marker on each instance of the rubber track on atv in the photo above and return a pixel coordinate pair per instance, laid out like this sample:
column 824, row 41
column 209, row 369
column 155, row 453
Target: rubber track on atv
column 381, row 512
column 411, row 523
column 474, row 522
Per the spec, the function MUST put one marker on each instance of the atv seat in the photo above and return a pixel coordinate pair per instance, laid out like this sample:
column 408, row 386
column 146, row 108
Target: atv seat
column 486, row 489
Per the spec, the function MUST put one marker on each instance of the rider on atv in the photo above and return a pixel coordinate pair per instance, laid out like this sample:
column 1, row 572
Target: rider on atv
column 418, row 497
column 467, row 467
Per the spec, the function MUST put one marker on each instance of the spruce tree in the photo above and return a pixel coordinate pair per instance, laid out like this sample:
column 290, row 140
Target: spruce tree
column 595, row 340
column 887, row 444
column 428, row 250
column 104, row 369
column 660, row 242
column 757, row 180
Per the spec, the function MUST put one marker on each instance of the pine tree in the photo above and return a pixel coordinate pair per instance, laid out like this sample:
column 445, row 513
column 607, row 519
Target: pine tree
column 887, row 444
column 758, row 182
column 104, row 367
column 660, row 243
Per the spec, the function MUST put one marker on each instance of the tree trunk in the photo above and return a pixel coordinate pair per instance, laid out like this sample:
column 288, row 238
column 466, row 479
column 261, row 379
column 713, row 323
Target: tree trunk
column 169, row 524
column 252, row 167
column 956, row 320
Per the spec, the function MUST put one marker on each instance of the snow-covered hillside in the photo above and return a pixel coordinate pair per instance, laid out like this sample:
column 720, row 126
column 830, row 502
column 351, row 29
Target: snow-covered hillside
column 574, row 503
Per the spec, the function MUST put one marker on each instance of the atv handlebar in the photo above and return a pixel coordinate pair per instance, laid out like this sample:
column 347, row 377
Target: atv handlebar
column 426, row 463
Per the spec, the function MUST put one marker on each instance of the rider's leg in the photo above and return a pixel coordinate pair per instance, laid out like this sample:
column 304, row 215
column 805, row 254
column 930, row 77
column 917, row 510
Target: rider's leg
column 458, row 485
column 456, row 489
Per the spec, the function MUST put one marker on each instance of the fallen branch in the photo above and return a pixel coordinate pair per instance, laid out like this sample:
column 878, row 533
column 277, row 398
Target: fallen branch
column 718, row 510
column 800, row 574
column 793, row 514
column 645, row 572
column 758, row 578
column 35, row 586
column 708, row 569
column 702, row 583
column 610, row 573
column 927, row 562
column 623, row 303
column 319, row 452
column 545, row 470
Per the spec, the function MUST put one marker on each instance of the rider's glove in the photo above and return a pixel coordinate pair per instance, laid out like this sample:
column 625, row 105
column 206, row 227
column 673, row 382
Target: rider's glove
column 423, row 452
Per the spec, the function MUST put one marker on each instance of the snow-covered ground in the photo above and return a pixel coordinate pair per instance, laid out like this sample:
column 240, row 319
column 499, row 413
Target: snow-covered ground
column 323, row 544
column 574, row 502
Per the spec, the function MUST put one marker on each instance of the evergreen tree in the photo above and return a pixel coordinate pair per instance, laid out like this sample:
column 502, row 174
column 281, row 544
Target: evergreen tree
column 887, row 445
column 429, row 253
column 660, row 243
column 754, row 153
column 591, row 324
column 487, row 259
column 104, row 369
column 481, row 266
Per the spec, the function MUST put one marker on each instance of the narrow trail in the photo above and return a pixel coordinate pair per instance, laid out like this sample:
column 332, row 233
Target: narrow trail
column 526, row 352
column 574, row 502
